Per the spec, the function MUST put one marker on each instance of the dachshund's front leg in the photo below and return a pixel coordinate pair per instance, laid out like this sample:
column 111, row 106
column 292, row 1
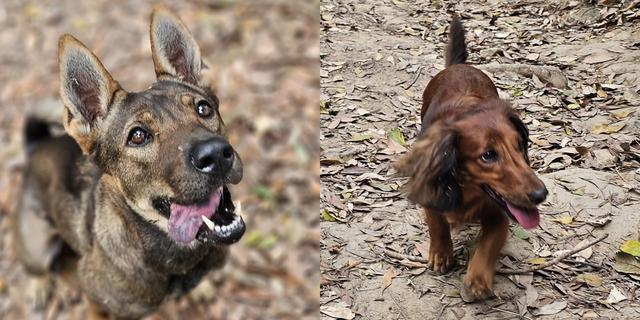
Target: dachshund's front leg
column 478, row 281
column 440, row 247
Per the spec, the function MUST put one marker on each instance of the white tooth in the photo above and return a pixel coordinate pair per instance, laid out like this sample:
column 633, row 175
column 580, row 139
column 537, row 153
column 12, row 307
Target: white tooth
column 239, row 209
column 225, row 228
column 218, row 229
column 208, row 222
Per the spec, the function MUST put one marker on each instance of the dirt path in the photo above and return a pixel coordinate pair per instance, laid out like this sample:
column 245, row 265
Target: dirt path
column 376, row 58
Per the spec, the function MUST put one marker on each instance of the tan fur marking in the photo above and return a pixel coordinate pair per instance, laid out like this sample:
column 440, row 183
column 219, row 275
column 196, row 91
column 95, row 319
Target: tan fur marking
column 186, row 100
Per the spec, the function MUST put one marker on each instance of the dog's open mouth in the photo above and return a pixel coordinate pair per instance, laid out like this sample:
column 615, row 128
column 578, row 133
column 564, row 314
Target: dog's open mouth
column 527, row 218
column 214, row 220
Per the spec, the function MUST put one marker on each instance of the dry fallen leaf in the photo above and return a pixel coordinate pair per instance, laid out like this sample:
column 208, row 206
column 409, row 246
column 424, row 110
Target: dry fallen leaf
column 358, row 137
column 339, row 311
column 586, row 253
column 591, row 279
column 388, row 277
column 599, row 222
column 603, row 158
column 423, row 248
column 532, row 56
column 539, row 142
column 615, row 296
column 607, row 128
column 626, row 263
column 353, row 262
column 549, row 309
column 622, row 113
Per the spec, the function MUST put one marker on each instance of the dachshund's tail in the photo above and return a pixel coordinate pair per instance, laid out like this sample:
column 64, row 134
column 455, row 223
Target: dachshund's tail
column 456, row 48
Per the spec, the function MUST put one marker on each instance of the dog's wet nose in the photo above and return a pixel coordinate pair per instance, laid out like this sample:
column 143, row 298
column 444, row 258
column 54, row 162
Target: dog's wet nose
column 538, row 195
column 213, row 155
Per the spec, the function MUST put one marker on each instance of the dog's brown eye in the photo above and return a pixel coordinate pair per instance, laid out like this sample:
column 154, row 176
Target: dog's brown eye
column 489, row 156
column 204, row 109
column 138, row 137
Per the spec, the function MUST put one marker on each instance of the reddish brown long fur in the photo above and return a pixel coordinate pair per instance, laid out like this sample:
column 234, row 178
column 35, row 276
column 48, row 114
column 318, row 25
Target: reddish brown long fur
column 462, row 119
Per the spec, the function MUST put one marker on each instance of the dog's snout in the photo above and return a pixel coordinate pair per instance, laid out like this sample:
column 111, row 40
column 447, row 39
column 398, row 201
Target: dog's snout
column 213, row 155
column 538, row 195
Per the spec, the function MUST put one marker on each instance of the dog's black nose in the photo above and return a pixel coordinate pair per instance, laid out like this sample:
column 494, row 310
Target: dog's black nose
column 213, row 155
column 538, row 195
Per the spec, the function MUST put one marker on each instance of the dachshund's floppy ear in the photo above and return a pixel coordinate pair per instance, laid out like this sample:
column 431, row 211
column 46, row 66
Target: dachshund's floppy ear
column 522, row 131
column 431, row 167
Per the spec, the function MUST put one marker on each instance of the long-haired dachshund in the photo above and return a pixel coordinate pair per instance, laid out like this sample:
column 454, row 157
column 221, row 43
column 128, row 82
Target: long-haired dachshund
column 470, row 164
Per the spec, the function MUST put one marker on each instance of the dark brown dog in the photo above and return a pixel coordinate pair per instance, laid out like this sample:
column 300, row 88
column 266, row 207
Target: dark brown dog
column 470, row 164
column 137, row 189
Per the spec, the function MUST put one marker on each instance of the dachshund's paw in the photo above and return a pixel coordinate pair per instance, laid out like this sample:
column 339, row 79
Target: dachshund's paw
column 440, row 261
column 476, row 288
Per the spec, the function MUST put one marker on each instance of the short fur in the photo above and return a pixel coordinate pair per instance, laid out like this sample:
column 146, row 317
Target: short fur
column 91, row 192
column 462, row 118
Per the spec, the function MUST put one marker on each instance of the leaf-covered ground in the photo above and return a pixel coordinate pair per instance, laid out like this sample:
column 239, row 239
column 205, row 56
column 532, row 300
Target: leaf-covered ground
column 377, row 57
column 263, row 59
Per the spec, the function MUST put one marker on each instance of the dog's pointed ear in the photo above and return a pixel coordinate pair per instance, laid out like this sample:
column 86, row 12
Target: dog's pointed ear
column 87, row 91
column 523, row 132
column 174, row 50
column 431, row 166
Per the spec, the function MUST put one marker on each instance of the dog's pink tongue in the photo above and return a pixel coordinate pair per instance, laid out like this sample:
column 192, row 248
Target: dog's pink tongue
column 185, row 221
column 528, row 219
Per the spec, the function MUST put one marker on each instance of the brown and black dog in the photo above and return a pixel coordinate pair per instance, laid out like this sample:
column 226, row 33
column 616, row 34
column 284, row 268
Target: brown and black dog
column 137, row 190
column 470, row 164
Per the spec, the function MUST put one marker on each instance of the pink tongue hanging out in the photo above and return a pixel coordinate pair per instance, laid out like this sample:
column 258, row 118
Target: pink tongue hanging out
column 527, row 218
column 185, row 221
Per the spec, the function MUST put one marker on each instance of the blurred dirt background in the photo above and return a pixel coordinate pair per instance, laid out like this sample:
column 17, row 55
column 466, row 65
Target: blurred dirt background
column 582, row 112
column 263, row 59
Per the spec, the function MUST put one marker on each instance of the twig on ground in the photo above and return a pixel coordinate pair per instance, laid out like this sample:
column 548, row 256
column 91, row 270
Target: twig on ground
column 556, row 260
column 550, row 74
column 400, row 310
column 401, row 256
column 597, row 187
column 414, row 79
column 564, row 105
column 632, row 5
column 586, row 263
column 441, row 311
column 510, row 312
column 619, row 175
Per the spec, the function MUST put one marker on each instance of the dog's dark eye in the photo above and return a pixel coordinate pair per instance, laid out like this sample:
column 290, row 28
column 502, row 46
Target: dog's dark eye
column 489, row 156
column 138, row 137
column 204, row 109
